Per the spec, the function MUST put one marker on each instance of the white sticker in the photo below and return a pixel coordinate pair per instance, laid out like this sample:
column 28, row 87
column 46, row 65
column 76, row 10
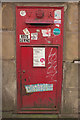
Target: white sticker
column 22, row 13
column 26, row 31
column 57, row 14
column 24, row 38
column 34, row 36
column 37, row 30
column 57, row 25
column 57, row 21
column 46, row 32
column 38, row 88
column 38, row 57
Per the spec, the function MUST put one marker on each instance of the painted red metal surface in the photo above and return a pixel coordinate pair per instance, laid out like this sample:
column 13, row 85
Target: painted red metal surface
column 37, row 20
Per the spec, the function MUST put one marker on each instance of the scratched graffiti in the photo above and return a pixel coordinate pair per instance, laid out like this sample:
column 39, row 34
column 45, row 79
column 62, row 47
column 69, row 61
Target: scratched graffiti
column 52, row 63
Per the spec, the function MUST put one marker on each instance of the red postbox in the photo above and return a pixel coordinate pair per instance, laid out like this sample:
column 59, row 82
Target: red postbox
column 39, row 51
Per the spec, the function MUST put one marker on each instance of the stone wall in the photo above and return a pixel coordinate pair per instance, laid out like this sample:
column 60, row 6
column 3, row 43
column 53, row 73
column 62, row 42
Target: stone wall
column 79, row 59
column 70, row 69
column 0, row 60
column 69, row 103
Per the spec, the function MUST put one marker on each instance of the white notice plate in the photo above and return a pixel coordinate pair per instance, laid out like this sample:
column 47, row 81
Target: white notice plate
column 38, row 57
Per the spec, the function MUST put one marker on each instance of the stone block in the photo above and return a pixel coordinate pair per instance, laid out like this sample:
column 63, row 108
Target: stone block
column 79, row 45
column 8, row 45
column 8, row 85
column 71, row 17
column 70, row 102
column 79, row 91
column 71, row 75
column 79, row 107
column 79, row 26
column 33, row 116
column 71, row 46
column 0, row 16
column 79, row 76
column 8, row 16
column 79, row 17
column 79, row 81
column 0, row 86
column 0, row 45
column 49, row 4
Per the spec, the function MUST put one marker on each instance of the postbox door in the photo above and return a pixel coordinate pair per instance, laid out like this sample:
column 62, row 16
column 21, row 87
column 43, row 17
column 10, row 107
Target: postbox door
column 39, row 69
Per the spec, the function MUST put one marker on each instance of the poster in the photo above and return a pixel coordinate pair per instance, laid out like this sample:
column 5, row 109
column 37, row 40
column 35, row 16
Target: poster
column 38, row 88
column 38, row 57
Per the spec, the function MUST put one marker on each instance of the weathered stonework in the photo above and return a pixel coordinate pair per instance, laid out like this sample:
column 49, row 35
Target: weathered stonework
column 8, row 16
column 0, row 45
column 72, row 17
column 71, row 46
column 71, row 75
column 9, row 84
column 0, row 16
column 71, row 32
column 0, row 86
column 70, row 102
column 8, row 45
column 70, row 90
column 49, row 4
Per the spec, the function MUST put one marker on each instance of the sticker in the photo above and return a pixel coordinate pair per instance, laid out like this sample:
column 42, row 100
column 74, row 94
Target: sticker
column 38, row 88
column 38, row 57
column 26, row 31
column 34, row 36
column 56, row 31
column 22, row 13
column 57, row 25
column 46, row 32
column 25, row 38
column 49, row 41
column 57, row 14
column 57, row 21
column 37, row 30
